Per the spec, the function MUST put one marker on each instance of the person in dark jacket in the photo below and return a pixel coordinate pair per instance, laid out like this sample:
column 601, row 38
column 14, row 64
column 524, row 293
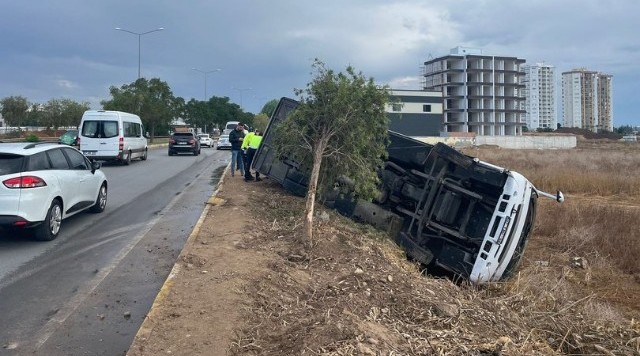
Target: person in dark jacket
column 235, row 137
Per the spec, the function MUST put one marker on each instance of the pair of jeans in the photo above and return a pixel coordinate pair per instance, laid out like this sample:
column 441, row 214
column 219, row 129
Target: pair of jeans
column 236, row 161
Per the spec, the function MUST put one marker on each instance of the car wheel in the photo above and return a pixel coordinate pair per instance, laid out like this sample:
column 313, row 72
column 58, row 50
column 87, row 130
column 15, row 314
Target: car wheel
column 128, row 160
column 50, row 227
column 101, row 201
column 144, row 156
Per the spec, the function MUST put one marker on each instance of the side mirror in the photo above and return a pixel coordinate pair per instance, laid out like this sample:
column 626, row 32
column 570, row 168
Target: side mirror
column 95, row 165
column 559, row 197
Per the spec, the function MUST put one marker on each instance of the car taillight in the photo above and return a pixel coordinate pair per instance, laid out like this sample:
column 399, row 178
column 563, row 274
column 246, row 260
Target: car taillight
column 78, row 140
column 24, row 182
column 172, row 141
column 192, row 142
column 121, row 143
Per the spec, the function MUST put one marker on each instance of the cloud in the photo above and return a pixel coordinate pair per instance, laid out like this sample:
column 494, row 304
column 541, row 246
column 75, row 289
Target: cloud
column 412, row 83
column 270, row 46
column 66, row 84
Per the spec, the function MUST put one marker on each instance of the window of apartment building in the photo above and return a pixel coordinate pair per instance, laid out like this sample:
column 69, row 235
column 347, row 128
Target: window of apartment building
column 426, row 108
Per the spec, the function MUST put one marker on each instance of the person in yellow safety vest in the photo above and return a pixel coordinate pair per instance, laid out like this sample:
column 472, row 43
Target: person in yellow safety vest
column 243, row 149
column 252, row 142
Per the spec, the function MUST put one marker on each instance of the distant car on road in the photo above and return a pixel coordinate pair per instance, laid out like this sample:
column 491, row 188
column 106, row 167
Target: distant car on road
column 205, row 140
column 181, row 142
column 69, row 138
column 223, row 142
column 45, row 183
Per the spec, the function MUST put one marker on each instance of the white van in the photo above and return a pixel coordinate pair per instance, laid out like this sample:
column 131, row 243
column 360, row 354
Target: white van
column 112, row 135
column 230, row 126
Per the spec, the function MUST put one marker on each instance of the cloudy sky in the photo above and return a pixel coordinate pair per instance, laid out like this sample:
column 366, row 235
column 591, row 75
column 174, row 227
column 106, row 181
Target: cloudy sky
column 70, row 48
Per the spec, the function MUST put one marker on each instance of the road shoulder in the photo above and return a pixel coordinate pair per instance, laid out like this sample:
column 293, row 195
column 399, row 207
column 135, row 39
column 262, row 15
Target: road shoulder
column 200, row 304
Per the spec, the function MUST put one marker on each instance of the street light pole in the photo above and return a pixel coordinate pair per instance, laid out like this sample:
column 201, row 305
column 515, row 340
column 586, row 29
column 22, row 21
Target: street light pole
column 139, row 34
column 205, row 78
column 242, row 90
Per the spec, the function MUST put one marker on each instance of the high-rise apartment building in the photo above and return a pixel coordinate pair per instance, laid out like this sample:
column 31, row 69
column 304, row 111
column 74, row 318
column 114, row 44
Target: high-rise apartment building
column 481, row 93
column 587, row 100
column 540, row 96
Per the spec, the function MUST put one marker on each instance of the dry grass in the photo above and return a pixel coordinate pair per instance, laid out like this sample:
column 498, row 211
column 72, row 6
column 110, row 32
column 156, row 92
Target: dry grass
column 593, row 229
column 605, row 172
column 356, row 294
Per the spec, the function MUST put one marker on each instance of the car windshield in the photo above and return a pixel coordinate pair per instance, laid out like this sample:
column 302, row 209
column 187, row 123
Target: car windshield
column 10, row 164
column 203, row 136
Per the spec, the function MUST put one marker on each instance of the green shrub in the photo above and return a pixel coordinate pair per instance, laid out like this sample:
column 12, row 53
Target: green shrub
column 32, row 138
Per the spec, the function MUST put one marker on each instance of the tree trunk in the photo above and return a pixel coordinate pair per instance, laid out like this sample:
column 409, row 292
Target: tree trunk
column 311, row 193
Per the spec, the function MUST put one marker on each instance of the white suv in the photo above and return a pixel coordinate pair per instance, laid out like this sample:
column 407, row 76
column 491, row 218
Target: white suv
column 43, row 183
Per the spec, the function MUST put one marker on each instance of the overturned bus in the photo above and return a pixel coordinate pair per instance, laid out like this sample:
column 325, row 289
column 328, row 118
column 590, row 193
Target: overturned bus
column 444, row 208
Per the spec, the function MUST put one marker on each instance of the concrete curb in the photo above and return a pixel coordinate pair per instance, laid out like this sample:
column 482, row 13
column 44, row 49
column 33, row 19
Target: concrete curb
column 149, row 321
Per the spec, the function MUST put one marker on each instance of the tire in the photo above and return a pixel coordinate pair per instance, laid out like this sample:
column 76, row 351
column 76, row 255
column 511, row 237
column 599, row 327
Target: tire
column 170, row 153
column 50, row 227
column 195, row 153
column 101, row 200
column 144, row 156
column 128, row 160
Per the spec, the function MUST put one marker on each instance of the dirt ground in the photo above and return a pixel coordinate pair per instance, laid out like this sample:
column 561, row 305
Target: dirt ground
column 245, row 285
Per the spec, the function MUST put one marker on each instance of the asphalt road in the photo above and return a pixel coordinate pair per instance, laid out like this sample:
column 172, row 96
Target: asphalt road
column 88, row 291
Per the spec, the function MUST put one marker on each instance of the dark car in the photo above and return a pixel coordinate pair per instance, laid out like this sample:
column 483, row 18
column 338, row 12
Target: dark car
column 69, row 138
column 181, row 142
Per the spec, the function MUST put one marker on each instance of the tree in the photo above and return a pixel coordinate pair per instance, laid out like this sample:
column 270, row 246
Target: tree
column 52, row 114
column 72, row 112
column 35, row 115
column 260, row 121
column 339, row 129
column 624, row 130
column 196, row 113
column 152, row 100
column 269, row 107
column 14, row 110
